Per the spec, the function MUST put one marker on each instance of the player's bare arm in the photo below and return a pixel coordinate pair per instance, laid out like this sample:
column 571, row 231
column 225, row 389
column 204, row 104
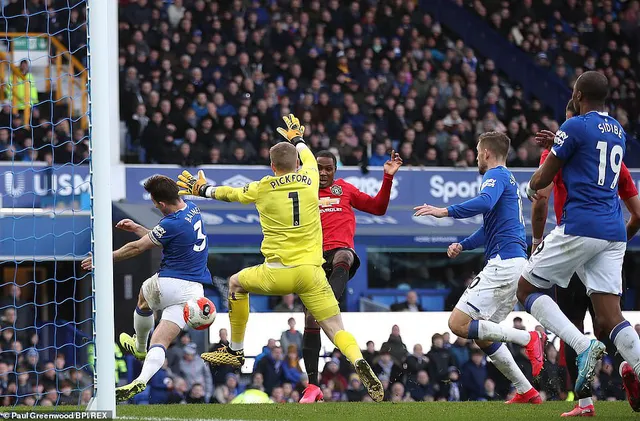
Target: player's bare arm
column 539, row 213
column 633, row 226
column 131, row 226
column 428, row 210
column 125, row 252
column 543, row 176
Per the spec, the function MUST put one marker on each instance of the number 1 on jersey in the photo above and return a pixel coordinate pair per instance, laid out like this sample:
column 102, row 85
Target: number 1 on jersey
column 296, row 208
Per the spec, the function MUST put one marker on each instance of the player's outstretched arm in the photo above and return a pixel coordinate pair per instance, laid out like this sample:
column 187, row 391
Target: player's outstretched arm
column 125, row 252
column 193, row 186
column 492, row 187
column 378, row 205
column 130, row 226
column 544, row 175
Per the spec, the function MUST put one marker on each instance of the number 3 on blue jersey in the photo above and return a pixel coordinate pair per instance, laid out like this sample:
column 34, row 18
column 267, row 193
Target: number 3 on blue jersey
column 614, row 160
column 197, row 227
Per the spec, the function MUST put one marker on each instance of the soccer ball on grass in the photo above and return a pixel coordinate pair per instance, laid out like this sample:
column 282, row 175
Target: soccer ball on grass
column 199, row 313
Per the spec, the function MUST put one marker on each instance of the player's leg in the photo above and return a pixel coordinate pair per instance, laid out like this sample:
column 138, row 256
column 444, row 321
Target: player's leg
column 602, row 277
column 142, row 319
column 490, row 294
column 168, row 329
column 553, row 263
column 342, row 269
column 318, row 298
column 238, row 318
column 311, row 347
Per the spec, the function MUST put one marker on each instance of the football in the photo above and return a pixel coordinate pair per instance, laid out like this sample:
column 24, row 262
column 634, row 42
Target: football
column 199, row 313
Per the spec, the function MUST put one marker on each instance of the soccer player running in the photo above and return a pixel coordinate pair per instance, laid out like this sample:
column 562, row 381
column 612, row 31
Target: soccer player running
column 182, row 272
column 287, row 203
column 491, row 296
column 337, row 201
column 573, row 300
column 591, row 241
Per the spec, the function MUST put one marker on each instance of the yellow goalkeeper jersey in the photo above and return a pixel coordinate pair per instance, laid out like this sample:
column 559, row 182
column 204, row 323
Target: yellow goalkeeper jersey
column 289, row 213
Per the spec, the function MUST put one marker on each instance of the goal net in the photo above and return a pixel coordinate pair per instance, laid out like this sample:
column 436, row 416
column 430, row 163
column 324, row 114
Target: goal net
column 47, row 302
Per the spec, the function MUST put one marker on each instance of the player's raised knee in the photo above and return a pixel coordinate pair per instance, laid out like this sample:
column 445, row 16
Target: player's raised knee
column 457, row 326
column 343, row 256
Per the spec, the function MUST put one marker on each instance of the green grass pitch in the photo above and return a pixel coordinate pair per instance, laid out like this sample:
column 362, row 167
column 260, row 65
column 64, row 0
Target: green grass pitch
column 473, row 411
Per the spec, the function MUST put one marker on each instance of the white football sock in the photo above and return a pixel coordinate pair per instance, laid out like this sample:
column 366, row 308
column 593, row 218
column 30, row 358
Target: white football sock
column 236, row 346
column 489, row 331
column 142, row 324
column 503, row 360
column 585, row 402
column 153, row 363
column 626, row 339
column 550, row 316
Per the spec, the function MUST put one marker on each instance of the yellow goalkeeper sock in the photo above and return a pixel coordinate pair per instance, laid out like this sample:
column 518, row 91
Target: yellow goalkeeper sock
column 348, row 346
column 238, row 317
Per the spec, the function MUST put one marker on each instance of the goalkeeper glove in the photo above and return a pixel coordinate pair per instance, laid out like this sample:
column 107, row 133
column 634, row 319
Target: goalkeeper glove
column 191, row 185
column 294, row 131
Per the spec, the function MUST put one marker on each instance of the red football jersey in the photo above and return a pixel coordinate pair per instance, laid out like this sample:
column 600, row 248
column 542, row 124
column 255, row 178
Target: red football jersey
column 336, row 210
column 626, row 187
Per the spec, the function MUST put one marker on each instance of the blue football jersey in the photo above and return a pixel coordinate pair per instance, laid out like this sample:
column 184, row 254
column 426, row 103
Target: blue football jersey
column 592, row 147
column 499, row 202
column 184, row 245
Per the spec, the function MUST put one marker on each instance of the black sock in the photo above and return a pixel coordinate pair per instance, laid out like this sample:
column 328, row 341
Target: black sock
column 339, row 278
column 311, row 353
column 572, row 368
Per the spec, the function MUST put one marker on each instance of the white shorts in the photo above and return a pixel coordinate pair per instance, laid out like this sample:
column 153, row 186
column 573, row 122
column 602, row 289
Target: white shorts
column 492, row 294
column 598, row 263
column 169, row 295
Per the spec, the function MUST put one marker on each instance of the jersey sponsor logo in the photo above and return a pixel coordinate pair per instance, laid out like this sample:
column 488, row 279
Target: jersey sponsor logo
column 560, row 138
column 491, row 182
column 325, row 202
column 236, row 181
column 337, row 190
column 158, row 231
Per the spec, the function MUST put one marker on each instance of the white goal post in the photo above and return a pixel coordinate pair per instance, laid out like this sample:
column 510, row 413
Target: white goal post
column 103, row 129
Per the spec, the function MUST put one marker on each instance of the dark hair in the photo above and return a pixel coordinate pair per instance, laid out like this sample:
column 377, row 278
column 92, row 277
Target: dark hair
column 496, row 142
column 571, row 108
column 594, row 86
column 327, row 154
column 162, row 189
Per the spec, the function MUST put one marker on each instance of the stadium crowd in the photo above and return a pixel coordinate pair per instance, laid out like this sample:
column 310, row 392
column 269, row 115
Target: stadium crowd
column 205, row 82
column 571, row 37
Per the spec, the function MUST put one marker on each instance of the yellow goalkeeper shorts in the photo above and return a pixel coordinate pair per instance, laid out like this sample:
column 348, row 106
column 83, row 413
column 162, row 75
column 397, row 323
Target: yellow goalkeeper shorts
column 307, row 281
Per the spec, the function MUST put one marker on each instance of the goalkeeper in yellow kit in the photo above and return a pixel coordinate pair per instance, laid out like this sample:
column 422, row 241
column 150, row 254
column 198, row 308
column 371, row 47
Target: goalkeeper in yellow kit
column 292, row 247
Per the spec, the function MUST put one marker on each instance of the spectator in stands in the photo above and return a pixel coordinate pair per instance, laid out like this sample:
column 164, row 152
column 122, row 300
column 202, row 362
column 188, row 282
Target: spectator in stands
column 370, row 354
column 460, row 351
column 292, row 370
column 420, row 389
column 220, row 372
column 175, row 352
column 197, row 394
column 266, row 351
column 610, row 382
column 291, row 336
column 395, row 346
column 355, row 391
column 331, row 373
column 416, row 362
column 410, row 305
column 288, row 305
column 195, row 372
column 474, row 375
column 387, row 366
column 553, row 379
column 161, row 385
column 440, row 360
column 272, row 369
column 179, row 392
